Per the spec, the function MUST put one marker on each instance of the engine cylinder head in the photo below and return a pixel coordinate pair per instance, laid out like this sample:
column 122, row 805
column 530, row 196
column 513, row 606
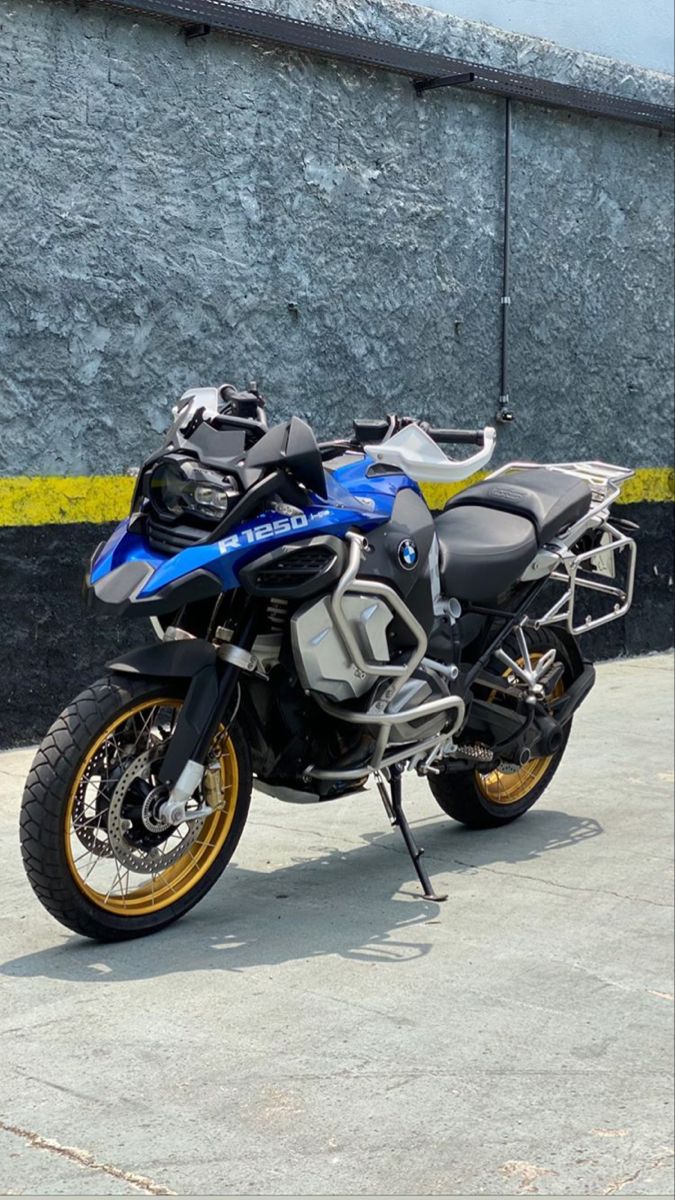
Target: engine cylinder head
column 277, row 613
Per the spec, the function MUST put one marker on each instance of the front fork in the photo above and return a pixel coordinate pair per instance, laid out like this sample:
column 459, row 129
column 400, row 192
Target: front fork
column 209, row 699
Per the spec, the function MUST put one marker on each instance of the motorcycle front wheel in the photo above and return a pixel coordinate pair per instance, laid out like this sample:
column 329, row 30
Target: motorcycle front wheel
column 96, row 851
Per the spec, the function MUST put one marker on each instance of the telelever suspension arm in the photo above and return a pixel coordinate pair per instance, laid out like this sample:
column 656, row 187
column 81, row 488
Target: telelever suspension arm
column 208, row 700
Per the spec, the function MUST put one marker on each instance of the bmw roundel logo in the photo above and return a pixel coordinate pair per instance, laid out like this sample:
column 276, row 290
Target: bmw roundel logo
column 407, row 554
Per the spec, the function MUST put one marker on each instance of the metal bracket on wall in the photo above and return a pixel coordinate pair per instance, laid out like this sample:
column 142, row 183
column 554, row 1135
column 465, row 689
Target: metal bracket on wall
column 195, row 31
column 423, row 85
column 504, row 414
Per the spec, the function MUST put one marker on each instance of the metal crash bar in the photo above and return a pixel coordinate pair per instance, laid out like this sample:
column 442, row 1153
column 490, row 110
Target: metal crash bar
column 399, row 673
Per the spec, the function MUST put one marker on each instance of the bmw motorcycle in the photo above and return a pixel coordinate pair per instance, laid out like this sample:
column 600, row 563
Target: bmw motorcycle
column 317, row 628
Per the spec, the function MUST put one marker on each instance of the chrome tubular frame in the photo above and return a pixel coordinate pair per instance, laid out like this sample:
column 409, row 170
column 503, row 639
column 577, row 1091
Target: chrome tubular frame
column 376, row 717
column 412, row 754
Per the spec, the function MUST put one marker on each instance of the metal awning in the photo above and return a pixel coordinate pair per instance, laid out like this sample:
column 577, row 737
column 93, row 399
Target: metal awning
column 258, row 25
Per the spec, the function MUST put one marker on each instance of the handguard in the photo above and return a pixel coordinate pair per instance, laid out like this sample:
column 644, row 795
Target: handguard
column 415, row 453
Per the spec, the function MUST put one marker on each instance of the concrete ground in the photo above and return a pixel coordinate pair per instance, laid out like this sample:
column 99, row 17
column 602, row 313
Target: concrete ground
column 315, row 1028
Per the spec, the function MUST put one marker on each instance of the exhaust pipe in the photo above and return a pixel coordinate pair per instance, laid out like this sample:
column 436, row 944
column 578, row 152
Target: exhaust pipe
column 551, row 736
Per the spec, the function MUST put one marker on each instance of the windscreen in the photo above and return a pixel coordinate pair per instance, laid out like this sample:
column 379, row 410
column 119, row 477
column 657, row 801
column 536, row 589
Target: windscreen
column 339, row 497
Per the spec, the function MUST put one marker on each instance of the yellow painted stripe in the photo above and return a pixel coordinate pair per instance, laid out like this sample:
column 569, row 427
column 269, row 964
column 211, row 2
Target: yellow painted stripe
column 648, row 483
column 438, row 494
column 64, row 499
column 67, row 499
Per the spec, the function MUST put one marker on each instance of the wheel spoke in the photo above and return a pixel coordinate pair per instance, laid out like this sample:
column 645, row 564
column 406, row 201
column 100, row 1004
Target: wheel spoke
column 95, row 863
column 119, row 880
column 146, row 725
column 87, row 823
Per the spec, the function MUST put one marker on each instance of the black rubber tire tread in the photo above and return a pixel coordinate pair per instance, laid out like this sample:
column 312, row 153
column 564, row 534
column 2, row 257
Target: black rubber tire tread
column 457, row 792
column 46, row 795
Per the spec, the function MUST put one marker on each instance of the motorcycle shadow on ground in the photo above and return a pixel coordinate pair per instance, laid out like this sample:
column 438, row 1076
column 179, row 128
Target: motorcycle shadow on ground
column 363, row 904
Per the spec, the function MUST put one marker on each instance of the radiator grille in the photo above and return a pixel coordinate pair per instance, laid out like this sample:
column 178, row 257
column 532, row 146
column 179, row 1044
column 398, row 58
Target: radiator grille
column 171, row 539
column 295, row 568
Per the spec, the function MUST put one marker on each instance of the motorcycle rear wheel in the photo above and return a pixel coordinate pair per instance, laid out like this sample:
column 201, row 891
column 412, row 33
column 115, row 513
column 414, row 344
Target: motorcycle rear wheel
column 488, row 798
column 88, row 853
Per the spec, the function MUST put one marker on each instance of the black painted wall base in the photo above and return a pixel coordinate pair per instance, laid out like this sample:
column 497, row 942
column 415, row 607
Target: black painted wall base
column 53, row 647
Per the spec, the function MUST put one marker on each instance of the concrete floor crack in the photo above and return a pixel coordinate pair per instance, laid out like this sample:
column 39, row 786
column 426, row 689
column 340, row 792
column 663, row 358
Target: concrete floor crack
column 83, row 1158
column 568, row 887
column 617, row 1185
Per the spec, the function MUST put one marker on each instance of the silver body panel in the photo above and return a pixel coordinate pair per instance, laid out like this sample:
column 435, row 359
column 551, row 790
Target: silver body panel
column 320, row 654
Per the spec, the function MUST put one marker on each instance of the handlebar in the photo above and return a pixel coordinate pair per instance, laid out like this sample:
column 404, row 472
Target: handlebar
column 379, row 429
column 459, row 437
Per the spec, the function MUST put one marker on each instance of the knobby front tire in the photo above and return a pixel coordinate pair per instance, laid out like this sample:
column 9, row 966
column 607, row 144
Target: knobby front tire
column 70, row 855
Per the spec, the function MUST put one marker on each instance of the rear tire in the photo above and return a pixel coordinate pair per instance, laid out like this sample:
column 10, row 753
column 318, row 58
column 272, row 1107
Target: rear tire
column 479, row 799
column 61, row 774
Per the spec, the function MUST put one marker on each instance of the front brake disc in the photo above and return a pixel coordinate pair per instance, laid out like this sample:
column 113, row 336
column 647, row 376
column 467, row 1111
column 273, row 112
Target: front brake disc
column 141, row 859
column 91, row 830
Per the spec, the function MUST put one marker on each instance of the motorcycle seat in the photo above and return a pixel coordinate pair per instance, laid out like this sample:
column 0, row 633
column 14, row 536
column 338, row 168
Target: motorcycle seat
column 482, row 552
column 490, row 532
column 550, row 499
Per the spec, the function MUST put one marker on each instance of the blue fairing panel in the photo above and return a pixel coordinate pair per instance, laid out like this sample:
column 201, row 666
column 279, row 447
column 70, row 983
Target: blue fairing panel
column 354, row 502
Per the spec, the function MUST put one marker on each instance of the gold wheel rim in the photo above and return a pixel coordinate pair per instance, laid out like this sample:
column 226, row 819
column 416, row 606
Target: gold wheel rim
column 176, row 880
column 511, row 787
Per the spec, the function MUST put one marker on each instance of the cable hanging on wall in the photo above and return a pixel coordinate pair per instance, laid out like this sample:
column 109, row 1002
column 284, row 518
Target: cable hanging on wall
column 504, row 412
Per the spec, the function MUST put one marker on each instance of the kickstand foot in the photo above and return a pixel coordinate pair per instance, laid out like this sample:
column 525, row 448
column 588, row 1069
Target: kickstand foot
column 393, row 803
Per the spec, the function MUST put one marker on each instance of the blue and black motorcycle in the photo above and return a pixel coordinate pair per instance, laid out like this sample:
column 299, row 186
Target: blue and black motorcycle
column 318, row 629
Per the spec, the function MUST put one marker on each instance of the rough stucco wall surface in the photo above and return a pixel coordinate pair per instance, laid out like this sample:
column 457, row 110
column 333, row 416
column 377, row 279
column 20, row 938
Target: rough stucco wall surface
column 592, row 363
column 175, row 213
column 181, row 214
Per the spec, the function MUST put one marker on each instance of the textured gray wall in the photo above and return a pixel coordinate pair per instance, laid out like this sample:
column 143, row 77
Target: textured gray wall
column 175, row 213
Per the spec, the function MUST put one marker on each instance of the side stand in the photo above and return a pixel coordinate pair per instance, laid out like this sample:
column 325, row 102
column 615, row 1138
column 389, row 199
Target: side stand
column 393, row 804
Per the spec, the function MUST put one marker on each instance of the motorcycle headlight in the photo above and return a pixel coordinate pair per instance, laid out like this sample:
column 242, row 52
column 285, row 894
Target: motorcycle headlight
column 184, row 487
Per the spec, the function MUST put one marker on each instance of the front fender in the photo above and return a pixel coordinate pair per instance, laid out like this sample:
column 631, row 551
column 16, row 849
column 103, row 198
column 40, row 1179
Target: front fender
column 194, row 660
column 167, row 660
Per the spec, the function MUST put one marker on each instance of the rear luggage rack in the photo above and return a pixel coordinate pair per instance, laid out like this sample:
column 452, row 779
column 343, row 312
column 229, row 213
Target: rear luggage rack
column 579, row 567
